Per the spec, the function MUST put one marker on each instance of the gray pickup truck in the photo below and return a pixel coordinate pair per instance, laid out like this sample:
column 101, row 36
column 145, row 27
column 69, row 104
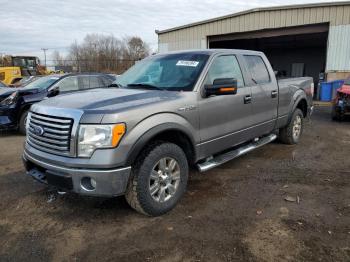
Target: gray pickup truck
column 168, row 112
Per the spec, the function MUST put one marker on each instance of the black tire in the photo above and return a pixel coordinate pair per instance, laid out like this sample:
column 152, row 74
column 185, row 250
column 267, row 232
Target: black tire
column 22, row 123
column 286, row 134
column 336, row 115
column 138, row 193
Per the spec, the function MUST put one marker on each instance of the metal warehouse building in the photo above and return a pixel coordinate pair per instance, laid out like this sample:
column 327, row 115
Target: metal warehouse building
column 299, row 40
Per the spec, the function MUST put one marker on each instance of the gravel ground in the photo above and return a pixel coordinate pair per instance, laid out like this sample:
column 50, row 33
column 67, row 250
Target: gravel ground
column 236, row 212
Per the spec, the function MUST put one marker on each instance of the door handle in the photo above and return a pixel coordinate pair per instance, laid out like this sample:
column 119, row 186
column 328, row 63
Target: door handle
column 274, row 93
column 247, row 99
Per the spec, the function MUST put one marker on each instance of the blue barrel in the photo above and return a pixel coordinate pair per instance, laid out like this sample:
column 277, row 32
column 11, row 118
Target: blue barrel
column 336, row 85
column 326, row 91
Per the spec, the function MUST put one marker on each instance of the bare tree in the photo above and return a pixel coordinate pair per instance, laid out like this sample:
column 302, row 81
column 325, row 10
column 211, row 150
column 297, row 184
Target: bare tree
column 101, row 53
column 57, row 59
column 74, row 56
column 137, row 49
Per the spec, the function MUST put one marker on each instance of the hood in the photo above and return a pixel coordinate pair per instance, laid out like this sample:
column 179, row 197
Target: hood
column 345, row 89
column 110, row 99
column 6, row 91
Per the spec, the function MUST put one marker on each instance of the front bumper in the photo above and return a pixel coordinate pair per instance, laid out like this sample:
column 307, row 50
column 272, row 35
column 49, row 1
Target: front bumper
column 8, row 118
column 342, row 107
column 108, row 182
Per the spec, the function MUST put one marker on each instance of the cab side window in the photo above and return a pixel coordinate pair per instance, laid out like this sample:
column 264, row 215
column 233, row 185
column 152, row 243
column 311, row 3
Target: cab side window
column 225, row 66
column 69, row 84
column 258, row 69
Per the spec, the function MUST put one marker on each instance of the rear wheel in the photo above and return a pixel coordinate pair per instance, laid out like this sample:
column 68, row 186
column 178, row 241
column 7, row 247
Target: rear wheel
column 159, row 179
column 292, row 132
column 23, row 122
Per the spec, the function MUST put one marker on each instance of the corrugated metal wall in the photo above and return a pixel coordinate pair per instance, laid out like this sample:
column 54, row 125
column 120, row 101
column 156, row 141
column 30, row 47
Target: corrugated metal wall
column 195, row 36
column 338, row 55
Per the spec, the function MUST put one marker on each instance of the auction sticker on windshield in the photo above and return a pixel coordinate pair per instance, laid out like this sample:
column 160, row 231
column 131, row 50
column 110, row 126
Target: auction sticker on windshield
column 187, row 63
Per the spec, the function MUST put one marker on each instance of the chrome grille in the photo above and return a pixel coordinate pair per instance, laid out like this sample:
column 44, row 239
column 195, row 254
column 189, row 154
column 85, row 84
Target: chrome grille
column 49, row 133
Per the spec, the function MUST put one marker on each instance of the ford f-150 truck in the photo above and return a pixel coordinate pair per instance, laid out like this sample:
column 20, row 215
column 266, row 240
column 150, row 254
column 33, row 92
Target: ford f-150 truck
column 168, row 112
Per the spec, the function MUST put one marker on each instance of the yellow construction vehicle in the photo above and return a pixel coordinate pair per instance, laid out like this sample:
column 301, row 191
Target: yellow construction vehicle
column 10, row 74
column 14, row 68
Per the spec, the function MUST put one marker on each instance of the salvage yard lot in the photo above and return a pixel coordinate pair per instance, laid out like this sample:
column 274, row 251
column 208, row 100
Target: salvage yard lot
column 235, row 212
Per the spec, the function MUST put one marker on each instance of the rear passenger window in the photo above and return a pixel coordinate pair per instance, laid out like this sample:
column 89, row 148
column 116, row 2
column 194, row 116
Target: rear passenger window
column 258, row 69
column 91, row 82
column 85, row 81
column 225, row 67
column 95, row 82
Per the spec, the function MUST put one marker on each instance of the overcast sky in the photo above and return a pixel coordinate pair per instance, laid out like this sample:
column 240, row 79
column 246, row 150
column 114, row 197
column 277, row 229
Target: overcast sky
column 28, row 26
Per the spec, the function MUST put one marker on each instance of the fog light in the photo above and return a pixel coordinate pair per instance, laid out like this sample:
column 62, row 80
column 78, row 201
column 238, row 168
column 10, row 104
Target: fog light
column 88, row 183
column 93, row 183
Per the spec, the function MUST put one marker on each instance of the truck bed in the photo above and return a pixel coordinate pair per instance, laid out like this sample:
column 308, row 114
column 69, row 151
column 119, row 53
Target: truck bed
column 288, row 87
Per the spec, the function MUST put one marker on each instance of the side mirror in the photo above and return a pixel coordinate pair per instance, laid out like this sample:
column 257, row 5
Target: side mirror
column 54, row 91
column 113, row 85
column 221, row 86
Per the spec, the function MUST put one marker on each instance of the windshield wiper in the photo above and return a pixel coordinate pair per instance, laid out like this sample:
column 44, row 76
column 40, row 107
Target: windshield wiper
column 148, row 86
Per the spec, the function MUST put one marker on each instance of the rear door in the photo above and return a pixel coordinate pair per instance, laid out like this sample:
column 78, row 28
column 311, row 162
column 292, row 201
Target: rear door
column 223, row 119
column 264, row 99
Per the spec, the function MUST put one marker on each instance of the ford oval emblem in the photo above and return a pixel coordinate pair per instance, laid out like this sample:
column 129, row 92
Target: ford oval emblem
column 38, row 130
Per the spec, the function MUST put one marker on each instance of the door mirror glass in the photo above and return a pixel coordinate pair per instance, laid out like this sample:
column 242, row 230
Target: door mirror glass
column 221, row 86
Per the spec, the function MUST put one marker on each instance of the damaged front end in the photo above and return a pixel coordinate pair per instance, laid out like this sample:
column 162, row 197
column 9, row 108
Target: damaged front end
column 341, row 104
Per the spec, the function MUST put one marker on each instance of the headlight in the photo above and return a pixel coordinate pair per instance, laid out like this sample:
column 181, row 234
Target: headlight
column 28, row 120
column 10, row 99
column 92, row 137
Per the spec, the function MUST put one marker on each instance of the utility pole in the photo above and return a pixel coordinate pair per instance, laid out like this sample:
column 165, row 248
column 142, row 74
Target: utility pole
column 45, row 49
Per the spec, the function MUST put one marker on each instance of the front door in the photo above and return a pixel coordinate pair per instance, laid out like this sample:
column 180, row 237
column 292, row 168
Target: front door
column 223, row 118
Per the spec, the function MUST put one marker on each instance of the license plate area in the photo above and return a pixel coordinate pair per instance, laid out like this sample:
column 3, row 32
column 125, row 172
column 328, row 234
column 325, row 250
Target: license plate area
column 61, row 181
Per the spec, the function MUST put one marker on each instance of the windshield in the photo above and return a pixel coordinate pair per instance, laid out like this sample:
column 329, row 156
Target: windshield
column 24, row 61
column 174, row 72
column 42, row 82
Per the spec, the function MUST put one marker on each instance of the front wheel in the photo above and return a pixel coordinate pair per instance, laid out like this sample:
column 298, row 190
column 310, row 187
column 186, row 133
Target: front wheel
column 291, row 133
column 159, row 179
column 23, row 122
column 336, row 114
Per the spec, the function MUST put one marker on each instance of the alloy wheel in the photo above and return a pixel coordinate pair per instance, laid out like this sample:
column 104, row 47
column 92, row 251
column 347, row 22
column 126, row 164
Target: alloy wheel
column 165, row 179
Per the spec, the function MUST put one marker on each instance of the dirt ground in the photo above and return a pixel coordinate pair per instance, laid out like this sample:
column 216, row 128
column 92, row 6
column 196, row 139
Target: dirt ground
column 236, row 212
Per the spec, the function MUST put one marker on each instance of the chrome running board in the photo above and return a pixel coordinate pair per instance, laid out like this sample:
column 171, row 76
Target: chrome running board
column 227, row 156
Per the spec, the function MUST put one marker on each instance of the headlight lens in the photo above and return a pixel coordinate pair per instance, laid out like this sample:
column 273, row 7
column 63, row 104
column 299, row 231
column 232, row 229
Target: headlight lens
column 10, row 99
column 92, row 137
